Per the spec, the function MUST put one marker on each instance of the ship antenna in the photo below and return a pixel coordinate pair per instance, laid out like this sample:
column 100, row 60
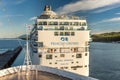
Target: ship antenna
column 27, row 60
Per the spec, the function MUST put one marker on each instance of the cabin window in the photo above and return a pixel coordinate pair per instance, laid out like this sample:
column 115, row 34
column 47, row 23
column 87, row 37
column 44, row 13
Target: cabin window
column 67, row 33
column 75, row 23
column 74, row 68
column 55, row 56
column 85, row 65
column 56, row 33
column 80, row 23
column 56, row 28
column 44, row 23
column 66, row 67
column 86, row 49
column 52, row 23
column 66, row 23
column 50, row 63
column 66, row 28
column 50, row 50
column 70, row 23
column 71, row 28
column 83, row 23
column 62, row 55
column 61, row 23
column 40, row 28
column 78, row 55
column 61, row 34
column 40, row 44
column 48, row 56
column 72, row 33
column 64, row 33
column 85, row 54
column 61, row 68
column 55, row 23
column 62, row 28
column 35, row 44
column 35, row 51
column 40, row 56
column 82, row 28
column 39, row 23
column 75, row 49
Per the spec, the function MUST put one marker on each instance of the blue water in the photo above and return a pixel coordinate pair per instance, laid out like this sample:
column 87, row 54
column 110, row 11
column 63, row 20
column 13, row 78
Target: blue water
column 8, row 44
column 104, row 58
column 105, row 61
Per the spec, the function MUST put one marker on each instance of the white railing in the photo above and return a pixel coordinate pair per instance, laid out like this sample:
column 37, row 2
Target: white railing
column 66, row 74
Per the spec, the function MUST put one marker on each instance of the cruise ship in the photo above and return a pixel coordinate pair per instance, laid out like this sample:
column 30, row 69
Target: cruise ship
column 61, row 42
column 60, row 46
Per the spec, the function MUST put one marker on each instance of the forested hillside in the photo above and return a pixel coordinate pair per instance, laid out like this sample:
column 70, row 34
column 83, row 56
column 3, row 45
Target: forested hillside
column 106, row 37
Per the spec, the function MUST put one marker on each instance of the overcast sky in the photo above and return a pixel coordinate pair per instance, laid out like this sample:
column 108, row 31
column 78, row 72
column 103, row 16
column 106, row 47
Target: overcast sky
column 102, row 15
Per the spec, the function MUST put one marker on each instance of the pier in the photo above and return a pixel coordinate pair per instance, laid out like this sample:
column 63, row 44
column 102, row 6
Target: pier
column 7, row 58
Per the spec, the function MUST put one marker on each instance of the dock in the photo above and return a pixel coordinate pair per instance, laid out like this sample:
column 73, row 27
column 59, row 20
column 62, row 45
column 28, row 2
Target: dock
column 7, row 58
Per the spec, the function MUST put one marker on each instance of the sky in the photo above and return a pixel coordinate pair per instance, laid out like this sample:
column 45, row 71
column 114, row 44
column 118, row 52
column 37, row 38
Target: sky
column 101, row 15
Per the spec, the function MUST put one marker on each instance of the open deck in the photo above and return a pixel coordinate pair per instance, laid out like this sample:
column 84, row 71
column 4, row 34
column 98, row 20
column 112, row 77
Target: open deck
column 37, row 72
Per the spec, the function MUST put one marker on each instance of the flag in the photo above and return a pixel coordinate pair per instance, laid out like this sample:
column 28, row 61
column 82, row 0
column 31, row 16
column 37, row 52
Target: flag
column 28, row 27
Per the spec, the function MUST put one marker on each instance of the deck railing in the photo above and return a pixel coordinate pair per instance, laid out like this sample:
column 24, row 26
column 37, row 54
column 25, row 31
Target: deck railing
column 70, row 75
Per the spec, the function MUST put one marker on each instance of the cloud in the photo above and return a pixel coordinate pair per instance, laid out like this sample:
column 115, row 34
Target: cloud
column 14, row 2
column 112, row 19
column 117, row 13
column 33, row 18
column 105, row 9
column 86, row 5
column 17, row 15
column 18, row 1
column 116, row 19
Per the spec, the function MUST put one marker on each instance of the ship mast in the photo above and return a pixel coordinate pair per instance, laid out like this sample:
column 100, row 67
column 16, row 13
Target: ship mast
column 27, row 60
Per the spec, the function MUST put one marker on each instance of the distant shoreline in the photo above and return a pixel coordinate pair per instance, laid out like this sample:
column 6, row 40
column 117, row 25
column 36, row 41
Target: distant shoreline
column 106, row 37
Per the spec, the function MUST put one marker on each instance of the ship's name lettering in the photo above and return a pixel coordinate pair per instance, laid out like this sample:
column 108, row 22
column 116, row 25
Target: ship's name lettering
column 64, row 43
column 64, row 60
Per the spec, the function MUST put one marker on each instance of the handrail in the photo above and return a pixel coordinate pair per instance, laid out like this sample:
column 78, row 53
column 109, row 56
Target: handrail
column 59, row 72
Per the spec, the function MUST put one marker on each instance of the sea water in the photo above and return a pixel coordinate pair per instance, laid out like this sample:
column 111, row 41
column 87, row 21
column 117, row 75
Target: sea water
column 7, row 44
column 105, row 61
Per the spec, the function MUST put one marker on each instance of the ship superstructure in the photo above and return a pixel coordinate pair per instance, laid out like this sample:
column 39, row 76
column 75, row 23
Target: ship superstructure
column 61, row 42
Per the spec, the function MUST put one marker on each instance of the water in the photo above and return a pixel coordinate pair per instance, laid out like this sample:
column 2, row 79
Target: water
column 105, row 61
column 10, row 44
column 104, row 58
column 7, row 45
